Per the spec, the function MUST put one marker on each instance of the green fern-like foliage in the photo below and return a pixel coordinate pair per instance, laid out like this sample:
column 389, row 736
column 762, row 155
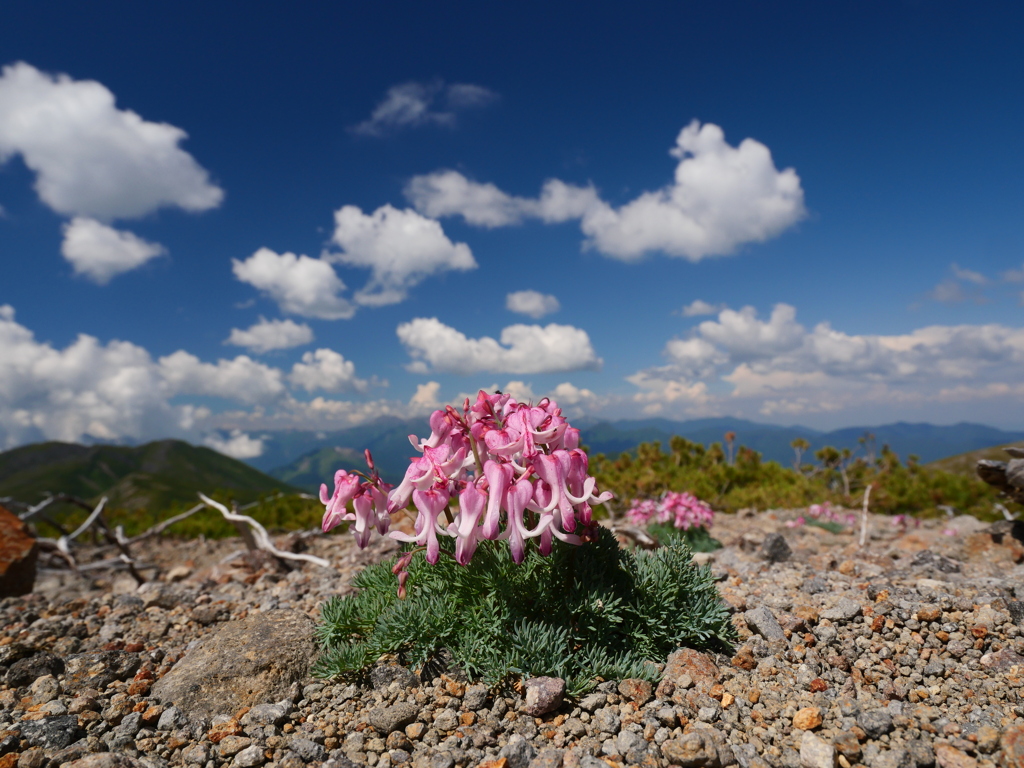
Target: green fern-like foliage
column 583, row 613
column 697, row 537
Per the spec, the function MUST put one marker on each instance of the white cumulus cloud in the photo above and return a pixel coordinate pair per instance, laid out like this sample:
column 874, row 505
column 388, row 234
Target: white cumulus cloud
column 413, row 104
column 91, row 158
column 237, row 445
column 532, row 303
column 241, row 378
column 326, row 370
column 520, row 349
column 268, row 335
column 699, row 307
column 777, row 366
column 400, row 247
column 721, row 198
column 100, row 252
column 299, row 284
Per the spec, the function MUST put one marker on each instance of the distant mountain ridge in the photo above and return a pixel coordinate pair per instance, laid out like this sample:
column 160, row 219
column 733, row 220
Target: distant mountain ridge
column 324, row 453
column 154, row 476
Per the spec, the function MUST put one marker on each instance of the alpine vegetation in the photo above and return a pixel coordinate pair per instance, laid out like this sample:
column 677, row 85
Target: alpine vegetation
column 575, row 606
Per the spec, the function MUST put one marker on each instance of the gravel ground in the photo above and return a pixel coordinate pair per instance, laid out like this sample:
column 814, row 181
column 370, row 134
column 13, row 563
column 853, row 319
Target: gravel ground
column 908, row 652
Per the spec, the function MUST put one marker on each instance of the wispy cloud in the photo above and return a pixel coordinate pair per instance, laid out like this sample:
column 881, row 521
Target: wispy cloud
column 414, row 104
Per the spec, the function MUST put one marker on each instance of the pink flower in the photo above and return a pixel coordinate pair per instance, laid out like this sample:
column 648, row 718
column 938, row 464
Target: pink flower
column 430, row 505
column 346, row 486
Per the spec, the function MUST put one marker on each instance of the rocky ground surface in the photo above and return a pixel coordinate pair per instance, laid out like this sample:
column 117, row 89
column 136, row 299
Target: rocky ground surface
column 905, row 653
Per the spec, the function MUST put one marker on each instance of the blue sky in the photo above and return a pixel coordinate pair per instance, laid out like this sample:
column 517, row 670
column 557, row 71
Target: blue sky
column 218, row 221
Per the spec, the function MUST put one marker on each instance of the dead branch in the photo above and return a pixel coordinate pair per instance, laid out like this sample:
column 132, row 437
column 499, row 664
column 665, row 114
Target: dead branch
column 259, row 534
column 864, row 516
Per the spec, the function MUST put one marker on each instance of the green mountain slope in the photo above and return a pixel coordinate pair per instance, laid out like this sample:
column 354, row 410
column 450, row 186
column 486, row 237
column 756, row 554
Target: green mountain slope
column 964, row 463
column 155, row 476
column 309, row 471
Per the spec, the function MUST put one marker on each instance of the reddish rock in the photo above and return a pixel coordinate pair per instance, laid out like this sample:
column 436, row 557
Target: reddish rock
column 1012, row 744
column 18, row 553
column 688, row 663
column 637, row 691
column 947, row 756
column 543, row 695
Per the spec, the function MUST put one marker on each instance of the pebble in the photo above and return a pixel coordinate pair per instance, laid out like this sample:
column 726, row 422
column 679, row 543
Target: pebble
column 893, row 658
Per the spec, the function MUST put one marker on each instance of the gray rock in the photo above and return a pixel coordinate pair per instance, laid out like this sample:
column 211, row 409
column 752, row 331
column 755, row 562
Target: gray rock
column 815, row 752
column 172, row 719
column 518, row 752
column 250, row 757
column 875, row 722
column 606, row 720
column 105, row 760
column 475, row 697
column 98, row 670
column 920, row 753
column 384, row 675
column 27, row 671
column 762, row 621
column 775, row 549
column 745, row 754
column 1016, row 611
column 543, row 695
column 696, row 749
column 51, row 733
column 387, row 719
column 268, row 714
column 892, row 758
column 593, row 701
column 195, row 754
column 547, row 758
column 844, row 610
column 446, row 720
column 44, row 689
column 244, row 663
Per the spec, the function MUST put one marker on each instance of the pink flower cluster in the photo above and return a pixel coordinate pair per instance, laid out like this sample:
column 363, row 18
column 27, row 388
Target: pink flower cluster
column 684, row 510
column 499, row 470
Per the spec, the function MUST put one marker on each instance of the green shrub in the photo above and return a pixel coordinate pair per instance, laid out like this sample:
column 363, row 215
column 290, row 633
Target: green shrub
column 583, row 613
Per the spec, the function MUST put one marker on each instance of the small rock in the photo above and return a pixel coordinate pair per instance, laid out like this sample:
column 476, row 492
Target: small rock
column 268, row 714
column 383, row 675
column 948, row 756
column 1016, row 611
column 637, row 691
column 518, row 752
column 44, row 689
column 816, row 753
column 875, row 722
column 774, row 548
column 688, row 663
column 1002, row 660
column 807, row 719
column 696, row 749
column 593, row 701
column 606, row 720
column 51, row 733
column 446, row 720
column 547, row 758
column 762, row 621
column 179, row 573
column 230, row 746
column 1012, row 744
column 105, row 760
column 27, row 671
column 391, row 718
column 543, row 695
column 172, row 719
column 195, row 754
column 308, row 750
column 476, row 697
column 98, row 670
column 844, row 610
column 250, row 757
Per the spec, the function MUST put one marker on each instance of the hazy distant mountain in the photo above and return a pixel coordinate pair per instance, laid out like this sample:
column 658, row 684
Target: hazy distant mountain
column 324, row 453
column 154, row 476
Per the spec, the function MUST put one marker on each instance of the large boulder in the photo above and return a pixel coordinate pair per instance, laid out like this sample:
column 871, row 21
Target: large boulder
column 18, row 553
column 244, row 663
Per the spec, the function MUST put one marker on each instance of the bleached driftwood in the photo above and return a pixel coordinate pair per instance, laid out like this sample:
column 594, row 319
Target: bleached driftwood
column 259, row 534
